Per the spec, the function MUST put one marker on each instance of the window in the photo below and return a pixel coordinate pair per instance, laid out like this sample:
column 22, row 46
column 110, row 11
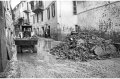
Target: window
column 74, row 7
column 53, row 9
column 27, row 5
column 41, row 16
column 32, row 5
column 37, row 17
column 48, row 13
column 40, row 3
column 33, row 19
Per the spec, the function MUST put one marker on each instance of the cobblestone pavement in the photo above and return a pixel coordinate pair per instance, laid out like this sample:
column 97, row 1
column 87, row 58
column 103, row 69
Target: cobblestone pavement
column 44, row 65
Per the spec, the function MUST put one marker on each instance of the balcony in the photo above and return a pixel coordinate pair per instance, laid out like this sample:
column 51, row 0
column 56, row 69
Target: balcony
column 26, row 21
column 26, row 9
column 18, row 21
column 38, row 7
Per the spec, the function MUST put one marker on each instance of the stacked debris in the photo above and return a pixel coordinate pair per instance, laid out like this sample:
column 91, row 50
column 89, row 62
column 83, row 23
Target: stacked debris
column 83, row 46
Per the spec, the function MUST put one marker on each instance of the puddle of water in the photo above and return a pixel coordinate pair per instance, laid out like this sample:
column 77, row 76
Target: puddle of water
column 47, row 44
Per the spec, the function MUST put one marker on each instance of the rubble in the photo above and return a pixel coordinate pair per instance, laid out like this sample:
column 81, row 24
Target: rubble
column 83, row 46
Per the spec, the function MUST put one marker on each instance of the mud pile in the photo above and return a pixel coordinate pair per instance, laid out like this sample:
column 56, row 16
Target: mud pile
column 83, row 46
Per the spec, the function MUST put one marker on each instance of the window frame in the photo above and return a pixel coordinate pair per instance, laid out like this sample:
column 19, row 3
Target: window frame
column 37, row 17
column 40, row 3
column 41, row 16
column 32, row 5
column 74, row 7
column 53, row 9
column 48, row 13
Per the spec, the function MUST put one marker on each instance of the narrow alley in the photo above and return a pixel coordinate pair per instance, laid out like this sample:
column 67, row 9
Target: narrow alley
column 44, row 65
column 59, row 39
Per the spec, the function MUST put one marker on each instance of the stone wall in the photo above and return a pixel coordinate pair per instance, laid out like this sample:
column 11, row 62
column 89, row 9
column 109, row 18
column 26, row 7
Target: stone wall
column 3, row 52
column 103, row 17
column 9, row 29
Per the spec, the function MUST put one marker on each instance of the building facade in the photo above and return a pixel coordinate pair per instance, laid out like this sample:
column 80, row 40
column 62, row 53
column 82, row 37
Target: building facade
column 21, row 15
column 102, row 16
column 56, row 16
column 53, row 19
column 6, row 33
column 37, row 16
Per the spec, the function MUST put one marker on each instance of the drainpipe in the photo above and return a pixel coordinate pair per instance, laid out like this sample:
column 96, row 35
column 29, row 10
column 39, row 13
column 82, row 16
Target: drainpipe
column 27, row 13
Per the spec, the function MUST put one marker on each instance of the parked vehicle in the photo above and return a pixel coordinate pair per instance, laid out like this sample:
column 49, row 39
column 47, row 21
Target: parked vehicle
column 26, row 41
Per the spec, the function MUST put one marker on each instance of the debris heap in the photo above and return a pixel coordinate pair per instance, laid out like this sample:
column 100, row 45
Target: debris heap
column 83, row 46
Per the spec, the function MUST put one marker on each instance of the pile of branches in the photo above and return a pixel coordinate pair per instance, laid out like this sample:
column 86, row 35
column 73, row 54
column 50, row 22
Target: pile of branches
column 82, row 46
column 64, row 51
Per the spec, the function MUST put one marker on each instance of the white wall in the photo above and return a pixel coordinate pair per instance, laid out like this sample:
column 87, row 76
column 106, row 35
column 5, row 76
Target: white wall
column 64, row 17
column 65, row 14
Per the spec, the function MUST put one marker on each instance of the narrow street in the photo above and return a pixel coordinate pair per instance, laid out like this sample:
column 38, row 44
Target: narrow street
column 87, row 35
column 44, row 65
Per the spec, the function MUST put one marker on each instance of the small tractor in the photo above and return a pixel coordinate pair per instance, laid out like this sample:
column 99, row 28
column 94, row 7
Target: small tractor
column 25, row 40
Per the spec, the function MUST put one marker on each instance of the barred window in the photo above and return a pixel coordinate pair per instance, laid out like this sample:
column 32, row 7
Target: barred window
column 48, row 13
column 32, row 4
column 40, row 3
column 41, row 16
column 53, row 9
column 74, row 7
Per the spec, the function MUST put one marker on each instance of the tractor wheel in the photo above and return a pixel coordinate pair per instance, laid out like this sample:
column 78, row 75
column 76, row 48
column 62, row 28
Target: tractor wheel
column 21, row 49
column 18, row 49
column 34, row 49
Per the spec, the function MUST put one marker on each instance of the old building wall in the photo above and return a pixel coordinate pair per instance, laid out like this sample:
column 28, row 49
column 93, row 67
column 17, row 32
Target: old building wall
column 9, row 27
column 104, row 18
column 37, row 25
column 3, row 51
column 47, row 3
column 19, row 10
column 35, row 20
column 52, row 22
column 61, row 24
column 65, row 13
column 66, row 19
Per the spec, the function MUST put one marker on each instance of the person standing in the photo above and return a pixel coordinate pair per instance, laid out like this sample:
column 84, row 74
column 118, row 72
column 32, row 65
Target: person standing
column 43, row 31
column 48, row 31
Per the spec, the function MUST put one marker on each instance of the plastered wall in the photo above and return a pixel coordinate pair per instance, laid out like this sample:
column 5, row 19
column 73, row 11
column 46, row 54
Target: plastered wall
column 66, row 19
column 105, row 18
column 53, row 20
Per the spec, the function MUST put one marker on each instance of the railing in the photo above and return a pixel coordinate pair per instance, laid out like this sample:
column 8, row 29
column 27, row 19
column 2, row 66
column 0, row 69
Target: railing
column 26, row 9
column 38, row 7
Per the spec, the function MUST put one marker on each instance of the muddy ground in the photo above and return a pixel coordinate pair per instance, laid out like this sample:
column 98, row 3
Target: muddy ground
column 43, row 65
